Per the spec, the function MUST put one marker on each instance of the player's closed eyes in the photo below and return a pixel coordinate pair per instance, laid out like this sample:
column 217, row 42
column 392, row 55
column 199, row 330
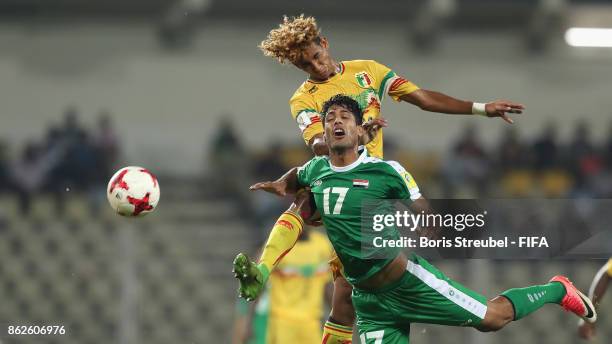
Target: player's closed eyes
column 344, row 114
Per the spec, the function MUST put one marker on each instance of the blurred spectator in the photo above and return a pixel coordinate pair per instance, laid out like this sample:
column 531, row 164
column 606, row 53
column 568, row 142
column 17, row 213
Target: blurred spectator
column 468, row 167
column 545, row 150
column 105, row 145
column 4, row 168
column 265, row 207
column 583, row 159
column 226, row 141
column 28, row 174
column 511, row 153
column 511, row 163
column 106, row 141
column 269, row 166
column 72, row 128
column 66, row 140
column 229, row 163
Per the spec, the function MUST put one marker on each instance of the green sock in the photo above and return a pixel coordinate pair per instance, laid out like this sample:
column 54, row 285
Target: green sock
column 527, row 300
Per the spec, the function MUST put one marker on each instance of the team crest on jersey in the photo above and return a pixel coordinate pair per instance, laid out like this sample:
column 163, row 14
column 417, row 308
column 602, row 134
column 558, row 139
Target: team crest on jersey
column 363, row 79
column 317, row 183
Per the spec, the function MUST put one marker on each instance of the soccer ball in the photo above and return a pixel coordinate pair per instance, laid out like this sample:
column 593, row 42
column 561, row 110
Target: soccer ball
column 133, row 191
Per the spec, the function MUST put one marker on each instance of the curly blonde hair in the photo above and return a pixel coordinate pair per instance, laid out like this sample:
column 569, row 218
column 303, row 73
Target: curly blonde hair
column 292, row 35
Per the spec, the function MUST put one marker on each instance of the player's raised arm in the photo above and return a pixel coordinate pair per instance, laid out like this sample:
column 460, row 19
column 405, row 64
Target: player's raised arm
column 439, row 102
column 598, row 289
column 286, row 184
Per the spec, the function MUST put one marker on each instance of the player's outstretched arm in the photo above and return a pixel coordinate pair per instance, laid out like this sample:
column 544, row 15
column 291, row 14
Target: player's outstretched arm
column 286, row 184
column 598, row 289
column 439, row 102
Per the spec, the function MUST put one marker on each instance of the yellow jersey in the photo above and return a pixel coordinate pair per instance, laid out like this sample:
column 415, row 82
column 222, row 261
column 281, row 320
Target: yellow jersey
column 610, row 267
column 297, row 284
column 366, row 81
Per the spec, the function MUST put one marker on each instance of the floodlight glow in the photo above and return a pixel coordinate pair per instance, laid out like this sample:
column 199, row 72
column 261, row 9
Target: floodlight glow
column 589, row 37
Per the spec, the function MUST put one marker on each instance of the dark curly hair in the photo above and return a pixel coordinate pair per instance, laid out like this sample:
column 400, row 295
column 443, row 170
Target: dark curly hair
column 347, row 103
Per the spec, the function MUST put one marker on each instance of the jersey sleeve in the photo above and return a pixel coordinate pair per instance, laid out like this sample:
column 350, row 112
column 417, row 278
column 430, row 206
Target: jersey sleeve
column 610, row 267
column 403, row 185
column 303, row 111
column 388, row 82
column 305, row 172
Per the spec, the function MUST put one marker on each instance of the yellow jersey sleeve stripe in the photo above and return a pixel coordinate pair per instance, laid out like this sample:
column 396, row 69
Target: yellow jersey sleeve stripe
column 385, row 83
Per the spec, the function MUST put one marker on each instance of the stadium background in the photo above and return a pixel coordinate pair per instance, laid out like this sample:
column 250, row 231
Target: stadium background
column 181, row 88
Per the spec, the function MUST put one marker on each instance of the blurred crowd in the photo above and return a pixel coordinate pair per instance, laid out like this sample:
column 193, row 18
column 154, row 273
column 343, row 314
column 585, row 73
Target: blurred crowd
column 68, row 157
column 514, row 167
column 521, row 167
column 72, row 157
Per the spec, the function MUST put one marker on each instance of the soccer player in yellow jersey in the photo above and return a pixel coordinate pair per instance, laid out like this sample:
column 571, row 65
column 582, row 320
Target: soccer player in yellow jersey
column 598, row 288
column 297, row 289
column 299, row 41
column 292, row 307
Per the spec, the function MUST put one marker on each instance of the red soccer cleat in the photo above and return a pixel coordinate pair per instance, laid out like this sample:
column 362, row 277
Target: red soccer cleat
column 576, row 302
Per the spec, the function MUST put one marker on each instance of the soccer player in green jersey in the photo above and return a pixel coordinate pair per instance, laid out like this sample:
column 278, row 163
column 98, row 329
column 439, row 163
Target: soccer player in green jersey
column 298, row 41
column 388, row 294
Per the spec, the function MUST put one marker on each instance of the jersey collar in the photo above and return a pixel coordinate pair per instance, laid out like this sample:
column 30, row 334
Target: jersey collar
column 346, row 168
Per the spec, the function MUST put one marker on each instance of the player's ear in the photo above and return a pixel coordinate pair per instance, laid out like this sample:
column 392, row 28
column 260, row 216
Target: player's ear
column 323, row 42
column 360, row 130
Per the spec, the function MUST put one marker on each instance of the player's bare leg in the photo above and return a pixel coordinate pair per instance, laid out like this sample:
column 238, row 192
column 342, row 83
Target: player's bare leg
column 342, row 312
column 515, row 304
column 339, row 327
column 500, row 312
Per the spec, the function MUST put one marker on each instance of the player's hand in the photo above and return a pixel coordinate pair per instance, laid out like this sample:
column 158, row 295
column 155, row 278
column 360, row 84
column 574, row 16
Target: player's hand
column 277, row 187
column 251, row 278
column 501, row 108
column 371, row 128
column 586, row 330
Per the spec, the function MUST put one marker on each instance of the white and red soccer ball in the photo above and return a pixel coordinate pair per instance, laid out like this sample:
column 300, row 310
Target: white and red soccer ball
column 133, row 191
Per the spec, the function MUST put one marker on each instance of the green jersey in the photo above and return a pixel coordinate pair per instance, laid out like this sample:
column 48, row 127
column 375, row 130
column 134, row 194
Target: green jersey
column 339, row 194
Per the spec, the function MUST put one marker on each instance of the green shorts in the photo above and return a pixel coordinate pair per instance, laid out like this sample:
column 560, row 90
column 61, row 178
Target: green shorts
column 422, row 295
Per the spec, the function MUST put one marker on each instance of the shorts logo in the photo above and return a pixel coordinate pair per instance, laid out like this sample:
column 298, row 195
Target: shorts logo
column 363, row 79
column 467, row 322
column 285, row 224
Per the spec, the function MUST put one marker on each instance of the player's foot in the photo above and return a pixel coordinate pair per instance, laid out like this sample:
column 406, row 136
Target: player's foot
column 250, row 277
column 576, row 302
